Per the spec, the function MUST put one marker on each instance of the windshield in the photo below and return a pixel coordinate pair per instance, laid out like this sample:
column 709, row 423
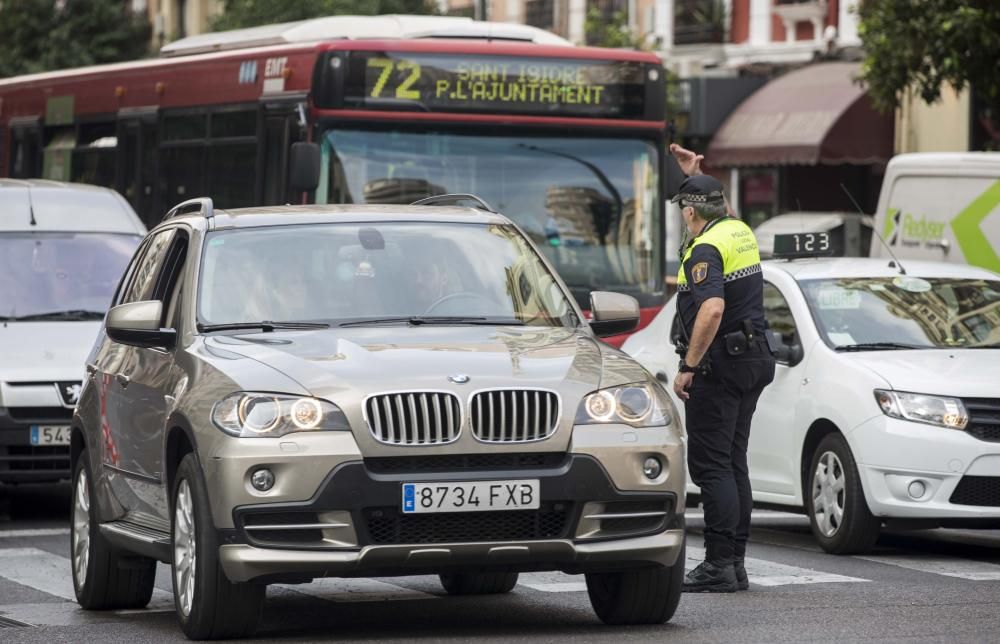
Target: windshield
column 923, row 313
column 590, row 204
column 61, row 276
column 378, row 273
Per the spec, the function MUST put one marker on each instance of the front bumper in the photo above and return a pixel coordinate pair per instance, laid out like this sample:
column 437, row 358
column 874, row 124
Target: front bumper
column 353, row 525
column 958, row 473
column 22, row 462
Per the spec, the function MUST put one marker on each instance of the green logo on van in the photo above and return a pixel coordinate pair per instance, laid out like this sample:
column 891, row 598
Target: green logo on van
column 975, row 246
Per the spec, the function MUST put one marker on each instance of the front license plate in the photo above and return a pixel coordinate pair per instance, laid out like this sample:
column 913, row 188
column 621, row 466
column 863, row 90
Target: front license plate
column 478, row 496
column 50, row 434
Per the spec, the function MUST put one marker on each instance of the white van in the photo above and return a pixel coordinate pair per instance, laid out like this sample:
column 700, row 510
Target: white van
column 63, row 248
column 943, row 207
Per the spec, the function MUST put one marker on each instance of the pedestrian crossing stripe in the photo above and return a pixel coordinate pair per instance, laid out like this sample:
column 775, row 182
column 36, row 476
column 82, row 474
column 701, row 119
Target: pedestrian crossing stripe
column 769, row 573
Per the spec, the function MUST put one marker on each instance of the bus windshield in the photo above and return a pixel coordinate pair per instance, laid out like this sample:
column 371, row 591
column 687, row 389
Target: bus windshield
column 590, row 204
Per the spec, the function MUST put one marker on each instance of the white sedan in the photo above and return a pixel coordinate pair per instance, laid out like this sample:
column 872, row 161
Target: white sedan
column 886, row 400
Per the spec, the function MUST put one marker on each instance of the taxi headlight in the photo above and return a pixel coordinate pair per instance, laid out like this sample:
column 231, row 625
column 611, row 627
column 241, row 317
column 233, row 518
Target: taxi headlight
column 922, row 408
column 248, row 414
column 641, row 404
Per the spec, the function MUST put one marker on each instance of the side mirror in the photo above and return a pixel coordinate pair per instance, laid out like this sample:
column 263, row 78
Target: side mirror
column 138, row 324
column 790, row 354
column 613, row 313
column 303, row 167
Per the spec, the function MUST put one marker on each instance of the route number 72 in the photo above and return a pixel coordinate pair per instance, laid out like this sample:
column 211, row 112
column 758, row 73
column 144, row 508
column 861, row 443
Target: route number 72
column 403, row 88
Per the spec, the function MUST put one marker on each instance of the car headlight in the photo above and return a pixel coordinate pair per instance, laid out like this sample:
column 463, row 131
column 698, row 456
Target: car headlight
column 247, row 414
column 921, row 408
column 641, row 404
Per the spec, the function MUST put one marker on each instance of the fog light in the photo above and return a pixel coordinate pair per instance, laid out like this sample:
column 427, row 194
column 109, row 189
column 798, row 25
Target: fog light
column 917, row 489
column 262, row 480
column 652, row 467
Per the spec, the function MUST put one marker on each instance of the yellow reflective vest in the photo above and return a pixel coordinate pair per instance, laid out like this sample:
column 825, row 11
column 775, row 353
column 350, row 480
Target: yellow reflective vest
column 736, row 245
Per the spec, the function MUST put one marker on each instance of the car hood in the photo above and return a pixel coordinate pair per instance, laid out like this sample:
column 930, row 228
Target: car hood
column 948, row 372
column 374, row 359
column 45, row 351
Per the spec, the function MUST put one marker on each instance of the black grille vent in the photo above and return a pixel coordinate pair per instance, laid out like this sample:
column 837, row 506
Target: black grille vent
column 452, row 462
column 39, row 414
column 514, row 415
column 389, row 526
column 977, row 490
column 34, row 458
column 291, row 537
column 984, row 418
column 414, row 418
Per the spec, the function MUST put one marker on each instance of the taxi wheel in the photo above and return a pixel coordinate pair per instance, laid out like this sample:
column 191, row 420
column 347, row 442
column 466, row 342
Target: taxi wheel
column 208, row 605
column 482, row 583
column 640, row 596
column 838, row 512
column 102, row 578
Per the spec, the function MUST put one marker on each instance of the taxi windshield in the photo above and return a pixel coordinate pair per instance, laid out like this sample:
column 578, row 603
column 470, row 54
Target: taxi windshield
column 378, row 273
column 905, row 312
column 590, row 204
column 60, row 276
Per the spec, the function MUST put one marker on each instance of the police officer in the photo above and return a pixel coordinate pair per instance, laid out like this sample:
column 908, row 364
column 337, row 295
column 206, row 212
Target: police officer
column 725, row 364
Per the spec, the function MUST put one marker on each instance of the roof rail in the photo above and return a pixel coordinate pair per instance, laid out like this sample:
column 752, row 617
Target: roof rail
column 452, row 199
column 202, row 205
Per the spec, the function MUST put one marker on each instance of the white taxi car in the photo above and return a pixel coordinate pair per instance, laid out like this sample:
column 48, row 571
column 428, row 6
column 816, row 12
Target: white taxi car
column 886, row 401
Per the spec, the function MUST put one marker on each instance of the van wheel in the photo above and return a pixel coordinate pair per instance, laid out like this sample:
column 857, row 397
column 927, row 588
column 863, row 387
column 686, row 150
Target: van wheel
column 208, row 605
column 641, row 596
column 838, row 512
column 102, row 578
column 479, row 583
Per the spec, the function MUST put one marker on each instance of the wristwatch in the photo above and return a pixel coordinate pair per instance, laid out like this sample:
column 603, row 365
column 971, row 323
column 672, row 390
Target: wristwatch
column 684, row 368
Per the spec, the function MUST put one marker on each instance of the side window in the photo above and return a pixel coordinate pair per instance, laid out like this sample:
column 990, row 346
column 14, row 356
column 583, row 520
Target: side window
column 168, row 284
column 129, row 272
column 143, row 280
column 779, row 315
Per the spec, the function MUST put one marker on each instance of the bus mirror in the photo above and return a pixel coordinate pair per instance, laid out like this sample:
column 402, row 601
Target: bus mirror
column 303, row 170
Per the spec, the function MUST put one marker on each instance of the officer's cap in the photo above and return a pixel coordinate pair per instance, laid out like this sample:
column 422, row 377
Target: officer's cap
column 700, row 188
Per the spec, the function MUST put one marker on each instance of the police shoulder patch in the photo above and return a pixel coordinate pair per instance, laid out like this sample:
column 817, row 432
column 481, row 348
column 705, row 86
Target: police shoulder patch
column 699, row 272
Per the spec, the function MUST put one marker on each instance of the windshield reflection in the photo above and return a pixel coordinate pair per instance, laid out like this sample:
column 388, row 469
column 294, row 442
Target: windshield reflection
column 926, row 313
column 590, row 204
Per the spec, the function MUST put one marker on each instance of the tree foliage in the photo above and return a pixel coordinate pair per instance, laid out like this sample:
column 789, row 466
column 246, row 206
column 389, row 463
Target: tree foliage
column 251, row 13
column 39, row 35
column 919, row 45
column 601, row 32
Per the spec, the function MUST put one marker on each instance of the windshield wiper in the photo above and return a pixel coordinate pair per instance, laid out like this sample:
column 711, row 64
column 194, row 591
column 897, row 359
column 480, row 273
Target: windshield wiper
column 878, row 346
column 266, row 326
column 417, row 320
column 72, row 315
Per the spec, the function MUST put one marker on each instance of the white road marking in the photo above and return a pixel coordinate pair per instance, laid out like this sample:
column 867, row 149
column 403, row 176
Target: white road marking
column 769, row 573
column 37, row 532
column 355, row 590
column 557, row 587
column 947, row 566
column 699, row 513
column 52, row 574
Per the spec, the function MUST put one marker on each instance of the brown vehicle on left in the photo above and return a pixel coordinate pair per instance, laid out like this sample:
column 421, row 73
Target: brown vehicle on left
column 286, row 393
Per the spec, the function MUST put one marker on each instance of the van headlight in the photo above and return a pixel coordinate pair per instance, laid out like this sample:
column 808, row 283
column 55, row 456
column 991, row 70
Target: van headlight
column 248, row 414
column 641, row 404
column 922, row 408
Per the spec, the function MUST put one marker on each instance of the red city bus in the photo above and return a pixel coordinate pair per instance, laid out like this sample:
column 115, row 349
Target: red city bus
column 567, row 141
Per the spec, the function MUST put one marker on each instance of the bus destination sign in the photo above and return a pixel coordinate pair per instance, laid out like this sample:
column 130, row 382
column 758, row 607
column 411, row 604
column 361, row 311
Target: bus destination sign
column 495, row 84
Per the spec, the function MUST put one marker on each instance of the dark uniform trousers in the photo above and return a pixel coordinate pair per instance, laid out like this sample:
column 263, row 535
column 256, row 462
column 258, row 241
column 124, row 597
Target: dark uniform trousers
column 718, row 425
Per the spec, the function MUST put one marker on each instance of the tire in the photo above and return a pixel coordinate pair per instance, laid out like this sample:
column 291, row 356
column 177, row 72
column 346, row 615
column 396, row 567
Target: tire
column 103, row 578
column 479, row 583
column 640, row 596
column 208, row 605
column 835, row 501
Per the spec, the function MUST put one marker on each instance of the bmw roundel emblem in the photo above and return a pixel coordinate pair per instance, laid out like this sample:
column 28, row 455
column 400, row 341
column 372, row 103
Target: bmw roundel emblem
column 459, row 378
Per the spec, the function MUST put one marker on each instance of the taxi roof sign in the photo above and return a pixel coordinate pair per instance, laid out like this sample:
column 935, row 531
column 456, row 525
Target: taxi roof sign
column 800, row 245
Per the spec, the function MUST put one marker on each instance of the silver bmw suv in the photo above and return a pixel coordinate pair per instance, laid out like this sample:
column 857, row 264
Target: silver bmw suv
column 286, row 393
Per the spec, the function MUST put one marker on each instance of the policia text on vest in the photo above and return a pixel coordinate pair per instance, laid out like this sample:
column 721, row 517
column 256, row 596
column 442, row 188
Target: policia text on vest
column 726, row 364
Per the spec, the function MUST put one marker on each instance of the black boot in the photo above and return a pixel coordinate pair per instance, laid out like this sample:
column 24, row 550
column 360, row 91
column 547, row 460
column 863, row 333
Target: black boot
column 742, row 581
column 710, row 578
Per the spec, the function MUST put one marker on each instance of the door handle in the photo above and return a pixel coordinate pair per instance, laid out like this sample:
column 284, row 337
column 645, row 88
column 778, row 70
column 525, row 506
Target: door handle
column 122, row 379
column 91, row 368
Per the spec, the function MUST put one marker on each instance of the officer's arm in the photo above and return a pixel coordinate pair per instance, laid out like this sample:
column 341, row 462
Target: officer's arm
column 703, row 271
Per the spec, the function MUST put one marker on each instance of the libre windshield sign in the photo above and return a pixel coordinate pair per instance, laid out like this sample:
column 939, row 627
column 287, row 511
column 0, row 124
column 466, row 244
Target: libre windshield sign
column 449, row 83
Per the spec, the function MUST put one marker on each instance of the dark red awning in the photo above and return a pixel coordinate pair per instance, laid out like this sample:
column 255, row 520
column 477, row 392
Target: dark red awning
column 816, row 114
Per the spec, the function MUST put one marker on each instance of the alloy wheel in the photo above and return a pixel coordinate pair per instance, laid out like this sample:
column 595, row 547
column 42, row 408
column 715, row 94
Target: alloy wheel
column 828, row 494
column 185, row 553
column 81, row 528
